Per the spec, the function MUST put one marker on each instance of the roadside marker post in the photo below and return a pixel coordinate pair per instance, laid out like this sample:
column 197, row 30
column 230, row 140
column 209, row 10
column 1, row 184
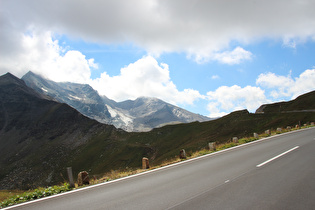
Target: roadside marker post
column 70, row 176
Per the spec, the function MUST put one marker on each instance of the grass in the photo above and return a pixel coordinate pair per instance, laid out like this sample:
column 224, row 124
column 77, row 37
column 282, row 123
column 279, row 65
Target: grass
column 8, row 198
column 20, row 196
column 4, row 194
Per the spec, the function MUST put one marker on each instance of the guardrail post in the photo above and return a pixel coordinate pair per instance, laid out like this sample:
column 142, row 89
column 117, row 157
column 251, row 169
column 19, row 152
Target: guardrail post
column 182, row 154
column 212, row 146
column 145, row 163
column 256, row 136
column 235, row 139
column 268, row 132
column 70, row 176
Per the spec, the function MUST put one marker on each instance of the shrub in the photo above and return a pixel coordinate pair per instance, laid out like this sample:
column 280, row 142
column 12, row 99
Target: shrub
column 35, row 194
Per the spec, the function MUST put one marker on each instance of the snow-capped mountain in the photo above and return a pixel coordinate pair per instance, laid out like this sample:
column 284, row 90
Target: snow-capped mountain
column 141, row 114
column 81, row 97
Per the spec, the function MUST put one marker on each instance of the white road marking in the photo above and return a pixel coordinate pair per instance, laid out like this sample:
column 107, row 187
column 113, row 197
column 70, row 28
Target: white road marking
column 277, row 156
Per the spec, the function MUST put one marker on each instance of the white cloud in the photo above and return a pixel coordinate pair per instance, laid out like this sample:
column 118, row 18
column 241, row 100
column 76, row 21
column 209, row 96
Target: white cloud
column 41, row 54
column 304, row 83
column 272, row 81
column 92, row 63
column 214, row 110
column 145, row 77
column 201, row 29
column 289, row 42
column 286, row 86
column 233, row 57
column 227, row 99
column 215, row 77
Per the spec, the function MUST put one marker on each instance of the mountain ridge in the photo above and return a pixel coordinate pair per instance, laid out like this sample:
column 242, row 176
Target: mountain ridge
column 302, row 102
column 141, row 114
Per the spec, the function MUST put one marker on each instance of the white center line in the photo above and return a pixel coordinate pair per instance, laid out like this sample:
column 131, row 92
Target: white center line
column 277, row 156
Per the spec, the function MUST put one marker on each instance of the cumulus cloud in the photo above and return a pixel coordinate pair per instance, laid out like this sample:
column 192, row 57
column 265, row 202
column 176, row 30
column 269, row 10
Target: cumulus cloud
column 286, row 86
column 145, row 77
column 233, row 57
column 201, row 29
column 40, row 53
column 227, row 99
column 279, row 84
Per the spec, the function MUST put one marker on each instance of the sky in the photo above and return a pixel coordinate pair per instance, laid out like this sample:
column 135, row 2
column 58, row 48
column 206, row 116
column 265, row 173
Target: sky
column 209, row 57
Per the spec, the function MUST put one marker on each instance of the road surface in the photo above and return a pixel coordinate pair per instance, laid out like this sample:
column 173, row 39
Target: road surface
column 274, row 173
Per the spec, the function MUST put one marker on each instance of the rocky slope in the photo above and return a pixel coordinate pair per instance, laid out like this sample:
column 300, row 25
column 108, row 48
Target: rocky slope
column 142, row 114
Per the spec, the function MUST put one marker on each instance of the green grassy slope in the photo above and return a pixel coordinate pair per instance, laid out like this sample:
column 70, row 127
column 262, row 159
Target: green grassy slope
column 164, row 143
column 303, row 102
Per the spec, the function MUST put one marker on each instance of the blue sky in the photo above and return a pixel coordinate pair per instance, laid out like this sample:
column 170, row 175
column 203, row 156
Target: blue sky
column 209, row 57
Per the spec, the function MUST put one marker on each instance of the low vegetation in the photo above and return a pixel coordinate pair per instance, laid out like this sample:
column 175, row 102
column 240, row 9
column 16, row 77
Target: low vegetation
column 20, row 196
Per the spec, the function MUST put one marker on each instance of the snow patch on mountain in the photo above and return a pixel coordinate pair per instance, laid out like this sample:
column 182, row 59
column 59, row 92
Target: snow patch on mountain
column 76, row 98
column 112, row 112
column 44, row 90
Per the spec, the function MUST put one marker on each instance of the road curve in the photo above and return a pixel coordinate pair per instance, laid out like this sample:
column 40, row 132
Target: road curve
column 274, row 173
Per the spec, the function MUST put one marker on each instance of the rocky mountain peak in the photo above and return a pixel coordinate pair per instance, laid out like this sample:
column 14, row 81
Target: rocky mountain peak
column 141, row 114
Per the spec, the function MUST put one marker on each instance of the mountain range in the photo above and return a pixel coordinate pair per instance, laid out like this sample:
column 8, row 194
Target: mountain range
column 40, row 137
column 142, row 114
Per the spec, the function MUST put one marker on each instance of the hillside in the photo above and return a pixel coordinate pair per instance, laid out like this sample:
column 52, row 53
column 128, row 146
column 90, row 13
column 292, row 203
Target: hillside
column 39, row 137
column 304, row 102
column 164, row 143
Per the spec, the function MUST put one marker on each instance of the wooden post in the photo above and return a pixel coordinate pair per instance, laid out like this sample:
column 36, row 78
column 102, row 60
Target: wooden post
column 70, row 176
column 212, row 146
column 145, row 163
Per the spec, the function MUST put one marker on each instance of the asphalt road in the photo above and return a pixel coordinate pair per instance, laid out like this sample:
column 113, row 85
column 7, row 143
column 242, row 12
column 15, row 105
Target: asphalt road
column 229, row 179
